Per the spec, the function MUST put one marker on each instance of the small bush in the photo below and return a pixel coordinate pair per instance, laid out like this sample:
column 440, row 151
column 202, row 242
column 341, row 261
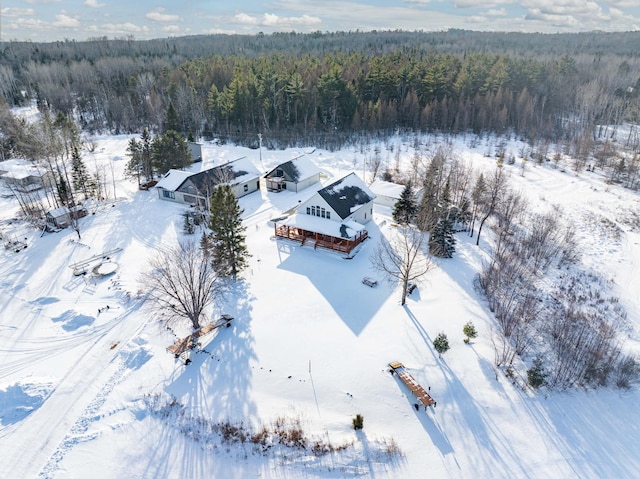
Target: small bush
column 441, row 344
column 469, row 331
column 358, row 422
column 536, row 375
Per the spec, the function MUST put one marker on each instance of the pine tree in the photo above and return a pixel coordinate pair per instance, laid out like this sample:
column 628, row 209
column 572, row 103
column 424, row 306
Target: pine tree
column 172, row 122
column 405, row 208
column 441, row 344
column 442, row 242
column 469, row 330
column 169, row 151
column 80, row 178
column 228, row 248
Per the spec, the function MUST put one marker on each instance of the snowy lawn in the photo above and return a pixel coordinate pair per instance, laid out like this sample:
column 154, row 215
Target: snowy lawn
column 88, row 390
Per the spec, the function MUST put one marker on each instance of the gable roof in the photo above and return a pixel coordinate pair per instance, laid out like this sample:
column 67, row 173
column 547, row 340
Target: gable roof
column 173, row 179
column 297, row 169
column 233, row 172
column 386, row 188
column 347, row 195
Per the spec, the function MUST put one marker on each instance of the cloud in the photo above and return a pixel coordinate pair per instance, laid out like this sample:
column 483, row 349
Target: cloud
column 17, row 12
column 42, row 1
column 94, row 4
column 245, row 19
column 120, row 28
column 63, row 19
column 171, row 29
column 272, row 20
column 158, row 15
column 480, row 3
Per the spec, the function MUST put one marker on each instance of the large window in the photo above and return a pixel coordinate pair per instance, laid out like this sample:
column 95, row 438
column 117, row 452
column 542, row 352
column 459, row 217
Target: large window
column 318, row 211
column 189, row 199
column 169, row 194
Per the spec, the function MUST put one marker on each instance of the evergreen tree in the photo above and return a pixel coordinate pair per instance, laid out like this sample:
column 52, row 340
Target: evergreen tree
column 469, row 331
column 64, row 195
column 442, row 240
column 172, row 122
column 226, row 243
column 169, row 151
column 405, row 208
column 80, row 177
column 441, row 344
column 134, row 167
column 141, row 158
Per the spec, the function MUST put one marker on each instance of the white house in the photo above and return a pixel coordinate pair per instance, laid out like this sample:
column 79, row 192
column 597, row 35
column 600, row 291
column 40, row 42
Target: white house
column 293, row 175
column 196, row 188
column 24, row 176
column 334, row 217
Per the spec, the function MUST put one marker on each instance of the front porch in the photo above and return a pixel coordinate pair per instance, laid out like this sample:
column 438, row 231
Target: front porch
column 320, row 240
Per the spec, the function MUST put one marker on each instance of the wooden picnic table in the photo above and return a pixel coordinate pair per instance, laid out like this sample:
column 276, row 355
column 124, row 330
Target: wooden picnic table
column 420, row 393
column 194, row 339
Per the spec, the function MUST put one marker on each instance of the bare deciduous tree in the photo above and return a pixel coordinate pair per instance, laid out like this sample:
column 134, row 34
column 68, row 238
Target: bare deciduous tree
column 401, row 258
column 182, row 279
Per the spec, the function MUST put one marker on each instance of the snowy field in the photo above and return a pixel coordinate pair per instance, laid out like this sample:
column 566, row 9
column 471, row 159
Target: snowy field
column 87, row 388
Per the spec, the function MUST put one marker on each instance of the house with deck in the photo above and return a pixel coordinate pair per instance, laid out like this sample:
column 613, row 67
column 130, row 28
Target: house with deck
column 196, row 188
column 333, row 218
column 293, row 175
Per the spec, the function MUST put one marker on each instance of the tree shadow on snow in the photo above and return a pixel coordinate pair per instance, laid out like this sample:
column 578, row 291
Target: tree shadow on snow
column 217, row 383
column 337, row 279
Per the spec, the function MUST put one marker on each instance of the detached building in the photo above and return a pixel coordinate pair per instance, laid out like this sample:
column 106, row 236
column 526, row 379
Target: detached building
column 196, row 188
column 293, row 175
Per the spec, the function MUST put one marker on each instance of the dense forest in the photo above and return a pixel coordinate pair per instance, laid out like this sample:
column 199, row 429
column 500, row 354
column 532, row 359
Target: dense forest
column 326, row 89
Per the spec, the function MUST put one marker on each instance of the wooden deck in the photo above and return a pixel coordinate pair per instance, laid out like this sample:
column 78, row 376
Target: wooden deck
column 342, row 245
column 194, row 339
column 420, row 393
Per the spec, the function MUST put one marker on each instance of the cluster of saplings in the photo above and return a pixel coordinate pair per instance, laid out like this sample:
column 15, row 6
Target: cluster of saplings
column 547, row 306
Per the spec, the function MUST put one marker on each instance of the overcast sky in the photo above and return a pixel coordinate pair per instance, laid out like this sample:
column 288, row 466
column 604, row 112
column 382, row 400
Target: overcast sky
column 48, row 20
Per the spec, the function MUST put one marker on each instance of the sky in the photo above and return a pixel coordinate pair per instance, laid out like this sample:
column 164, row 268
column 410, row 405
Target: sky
column 52, row 20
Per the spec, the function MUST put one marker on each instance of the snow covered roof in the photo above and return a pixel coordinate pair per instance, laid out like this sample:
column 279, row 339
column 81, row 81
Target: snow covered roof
column 346, row 229
column 233, row 172
column 299, row 168
column 18, row 169
column 386, row 188
column 347, row 195
column 173, row 179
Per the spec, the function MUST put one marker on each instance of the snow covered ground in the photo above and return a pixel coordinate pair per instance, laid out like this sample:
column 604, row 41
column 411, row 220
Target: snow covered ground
column 88, row 390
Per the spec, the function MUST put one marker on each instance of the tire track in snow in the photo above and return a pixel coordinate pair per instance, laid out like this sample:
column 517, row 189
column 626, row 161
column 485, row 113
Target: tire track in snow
column 36, row 439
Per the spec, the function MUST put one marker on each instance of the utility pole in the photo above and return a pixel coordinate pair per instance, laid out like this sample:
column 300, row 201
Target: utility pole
column 260, row 150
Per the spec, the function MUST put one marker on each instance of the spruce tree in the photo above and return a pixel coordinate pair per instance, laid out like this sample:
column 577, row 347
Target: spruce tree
column 227, row 241
column 169, row 151
column 172, row 122
column 405, row 208
column 442, row 240
column 80, row 177
column 441, row 344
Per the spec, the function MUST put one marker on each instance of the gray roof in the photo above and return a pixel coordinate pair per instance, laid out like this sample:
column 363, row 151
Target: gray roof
column 299, row 168
column 346, row 195
column 233, row 172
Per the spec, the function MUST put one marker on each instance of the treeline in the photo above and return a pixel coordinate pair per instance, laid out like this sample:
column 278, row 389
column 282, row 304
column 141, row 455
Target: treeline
column 324, row 89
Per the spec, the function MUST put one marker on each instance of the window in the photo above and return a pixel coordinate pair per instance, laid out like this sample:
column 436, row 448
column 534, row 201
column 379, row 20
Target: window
column 313, row 210
column 169, row 194
column 246, row 188
column 328, row 215
column 322, row 212
column 189, row 199
column 308, row 210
